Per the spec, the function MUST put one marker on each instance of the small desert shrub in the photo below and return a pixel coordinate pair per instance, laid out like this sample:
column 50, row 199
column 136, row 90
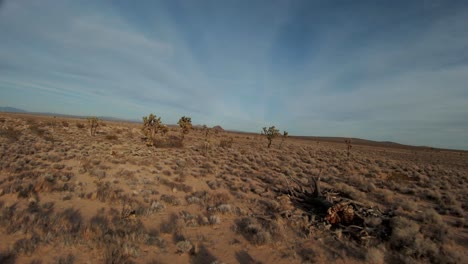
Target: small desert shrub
column 408, row 240
column 404, row 232
column 375, row 256
column 184, row 246
column 106, row 192
column 156, row 207
column 169, row 142
column 217, row 199
column 178, row 186
column 27, row 246
column 170, row 199
column 111, row 137
column 65, row 124
column 259, row 233
column 69, row 259
column 35, row 129
column 7, row 258
column 80, row 125
column 10, row 133
column 116, row 254
column 351, row 192
column 154, row 239
column 172, row 225
column 222, row 208
column 408, row 205
column 214, row 220
column 433, row 195
column 226, row 143
column 435, row 227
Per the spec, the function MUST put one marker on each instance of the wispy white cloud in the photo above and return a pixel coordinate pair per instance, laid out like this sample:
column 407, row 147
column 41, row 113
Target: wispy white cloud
column 390, row 72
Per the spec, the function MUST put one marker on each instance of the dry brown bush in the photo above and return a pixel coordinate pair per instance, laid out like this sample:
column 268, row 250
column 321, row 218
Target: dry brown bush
column 111, row 137
column 10, row 133
column 169, row 142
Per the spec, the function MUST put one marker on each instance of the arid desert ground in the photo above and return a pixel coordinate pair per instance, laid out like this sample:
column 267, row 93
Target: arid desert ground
column 69, row 197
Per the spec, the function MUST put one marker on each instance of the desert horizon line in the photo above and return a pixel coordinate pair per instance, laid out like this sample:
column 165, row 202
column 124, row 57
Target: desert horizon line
column 364, row 140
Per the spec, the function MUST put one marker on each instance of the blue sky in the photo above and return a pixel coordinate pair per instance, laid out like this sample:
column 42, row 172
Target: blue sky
column 381, row 70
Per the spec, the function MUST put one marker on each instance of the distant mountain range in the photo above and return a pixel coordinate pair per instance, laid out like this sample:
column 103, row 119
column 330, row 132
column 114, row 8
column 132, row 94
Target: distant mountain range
column 8, row 109
column 11, row 110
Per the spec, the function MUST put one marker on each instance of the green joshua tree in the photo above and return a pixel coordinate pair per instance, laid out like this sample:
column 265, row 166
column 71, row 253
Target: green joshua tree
column 283, row 137
column 270, row 134
column 93, row 124
column 185, row 124
column 151, row 125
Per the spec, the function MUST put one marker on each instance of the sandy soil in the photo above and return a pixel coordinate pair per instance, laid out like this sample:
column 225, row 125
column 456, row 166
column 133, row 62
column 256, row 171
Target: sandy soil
column 69, row 197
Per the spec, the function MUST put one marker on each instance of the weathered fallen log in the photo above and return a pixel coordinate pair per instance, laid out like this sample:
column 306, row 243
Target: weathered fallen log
column 312, row 199
column 337, row 212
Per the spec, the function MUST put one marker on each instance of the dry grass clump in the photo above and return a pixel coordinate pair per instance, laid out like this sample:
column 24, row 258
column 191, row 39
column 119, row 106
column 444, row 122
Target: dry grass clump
column 26, row 245
column 375, row 256
column 226, row 143
column 173, row 225
column 68, row 259
column 112, row 137
column 170, row 199
column 37, row 130
column 118, row 237
column 259, row 231
column 176, row 186
column 351, row 192
column 41, row 225
column 10, row 133
column 7, row 258
column 169, row 142
column 106, row 192
column 412, row 242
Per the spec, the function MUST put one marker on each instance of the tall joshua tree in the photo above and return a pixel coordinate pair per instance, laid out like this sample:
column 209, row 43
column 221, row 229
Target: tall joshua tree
column 151, row 125
column 93, row 124
column 185, row 124
column 270, row 134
